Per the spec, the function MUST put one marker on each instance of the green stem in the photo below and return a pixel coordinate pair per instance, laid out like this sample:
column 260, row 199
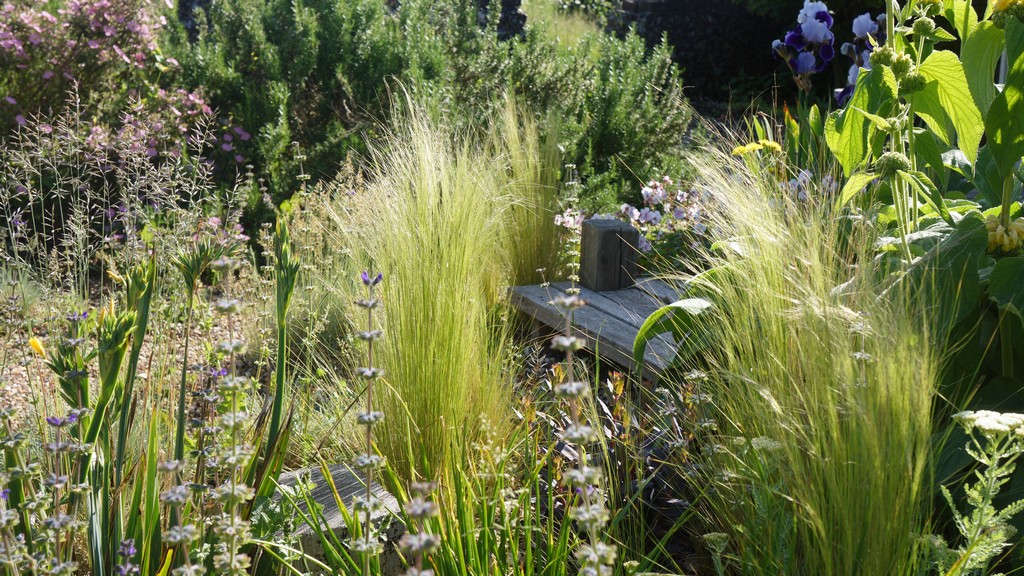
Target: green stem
column 1006, row 343
column 1004, row 214
column 179, row 435
column 890, row 23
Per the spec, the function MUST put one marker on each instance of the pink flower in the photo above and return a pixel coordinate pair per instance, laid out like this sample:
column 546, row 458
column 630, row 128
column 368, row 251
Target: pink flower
column 648, row 216
column 20, row 120
column 121, row 53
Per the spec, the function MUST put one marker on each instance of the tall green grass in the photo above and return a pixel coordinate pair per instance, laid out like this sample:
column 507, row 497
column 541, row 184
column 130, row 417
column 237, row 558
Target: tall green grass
column 451, row 221
column 822, row 387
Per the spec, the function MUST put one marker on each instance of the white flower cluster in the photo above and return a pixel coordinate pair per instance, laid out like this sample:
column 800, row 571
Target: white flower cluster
column 991, row 423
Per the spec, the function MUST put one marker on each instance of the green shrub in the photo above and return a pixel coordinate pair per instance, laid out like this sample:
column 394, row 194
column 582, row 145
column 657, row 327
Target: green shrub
column 321, row 72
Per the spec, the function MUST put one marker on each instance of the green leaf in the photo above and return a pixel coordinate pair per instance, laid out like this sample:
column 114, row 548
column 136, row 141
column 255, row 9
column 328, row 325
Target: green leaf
column 961, row 15
column 923, row 187
column 1005, row 123
column 847, row 130
column 980, row 56
column 814, row 121
column 947, row 276
column 1006, row 285
column 954, row 94
column 927, row 150
column 941, row 35
column 928, row 106
column 683, row 320
column 853, row 186
column 878, row 121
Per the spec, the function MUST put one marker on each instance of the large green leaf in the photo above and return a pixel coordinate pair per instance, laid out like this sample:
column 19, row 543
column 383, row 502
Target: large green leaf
column 943, row 67
column 1005, row 123
column 961, row 15
column 926, row 190
column 684, row 320
column 1006, row 285
column 928, row 106
column 980, row 55
column 947, row 276
column 853, row 186
column 847, row 130
column 927, row 151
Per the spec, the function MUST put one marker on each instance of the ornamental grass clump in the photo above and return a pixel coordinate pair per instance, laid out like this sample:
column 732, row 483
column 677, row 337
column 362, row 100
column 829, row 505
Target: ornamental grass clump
column 434, row 220
column 823, row 382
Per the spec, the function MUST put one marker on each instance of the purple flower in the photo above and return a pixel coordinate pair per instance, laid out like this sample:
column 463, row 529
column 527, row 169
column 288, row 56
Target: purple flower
column 10, row 100
column 805, row 63
column 371, row 281
column 127, row 549
column 20, row 120
column 864, row 25
column 76, row 317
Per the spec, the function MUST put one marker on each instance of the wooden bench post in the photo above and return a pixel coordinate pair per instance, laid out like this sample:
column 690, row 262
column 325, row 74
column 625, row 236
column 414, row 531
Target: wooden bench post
column 608, row 255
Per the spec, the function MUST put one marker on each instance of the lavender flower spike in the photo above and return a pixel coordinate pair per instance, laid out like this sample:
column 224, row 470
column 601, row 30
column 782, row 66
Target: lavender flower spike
column 368, row 281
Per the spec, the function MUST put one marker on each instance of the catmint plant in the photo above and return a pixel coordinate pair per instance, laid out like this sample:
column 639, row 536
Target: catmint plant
column 596, row 557
column 368, row 461
column 419, row 542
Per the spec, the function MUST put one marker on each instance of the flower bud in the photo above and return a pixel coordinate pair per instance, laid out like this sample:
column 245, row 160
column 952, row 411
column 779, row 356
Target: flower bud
column 901, row 65
column 913, row 83
column 890, row 162
column 882, row 57
column 924, row 26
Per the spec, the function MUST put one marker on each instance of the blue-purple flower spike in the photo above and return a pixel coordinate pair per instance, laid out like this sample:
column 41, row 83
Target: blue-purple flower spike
column 372, row 281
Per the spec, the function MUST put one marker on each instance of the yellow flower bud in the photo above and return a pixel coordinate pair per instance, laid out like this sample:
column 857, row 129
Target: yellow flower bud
column 37, row 345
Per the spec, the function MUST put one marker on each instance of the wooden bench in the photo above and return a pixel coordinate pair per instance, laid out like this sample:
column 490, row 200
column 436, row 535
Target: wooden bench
column 618, row 301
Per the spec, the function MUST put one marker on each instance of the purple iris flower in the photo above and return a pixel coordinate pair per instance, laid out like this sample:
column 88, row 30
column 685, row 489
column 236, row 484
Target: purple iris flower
column 808, row 48
column 795, row 39
column 804, row 63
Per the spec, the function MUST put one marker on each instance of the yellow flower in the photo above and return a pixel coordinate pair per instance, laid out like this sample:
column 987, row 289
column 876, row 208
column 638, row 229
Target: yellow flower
column 1002, row 5
column 771, row 145
column 1004, row 239
column 37, row 345
column 746, row 149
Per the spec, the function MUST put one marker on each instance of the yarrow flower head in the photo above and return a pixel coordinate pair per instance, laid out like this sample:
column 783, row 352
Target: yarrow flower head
column 990, row 423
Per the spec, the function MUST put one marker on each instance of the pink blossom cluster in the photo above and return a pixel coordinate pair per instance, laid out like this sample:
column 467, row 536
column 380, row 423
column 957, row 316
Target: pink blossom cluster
column 665, row 214
column 96, row 46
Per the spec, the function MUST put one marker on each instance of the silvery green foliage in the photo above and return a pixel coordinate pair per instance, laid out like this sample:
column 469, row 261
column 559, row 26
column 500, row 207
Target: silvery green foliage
column 367, row 543
column 595, row 557
column 996, row 442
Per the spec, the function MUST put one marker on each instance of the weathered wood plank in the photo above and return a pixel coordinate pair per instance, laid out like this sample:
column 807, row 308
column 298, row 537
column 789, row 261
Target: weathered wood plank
column 602, row 323
column 631, row 306
column 348, row 485
column 660, row 289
